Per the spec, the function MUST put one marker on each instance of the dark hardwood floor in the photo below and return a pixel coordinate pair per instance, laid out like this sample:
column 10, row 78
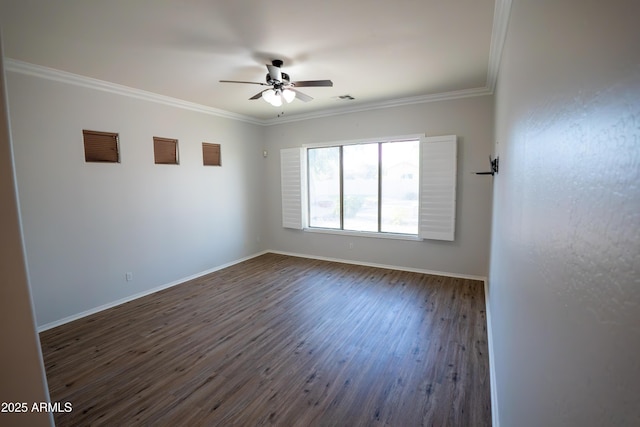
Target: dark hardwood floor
column 280, row 340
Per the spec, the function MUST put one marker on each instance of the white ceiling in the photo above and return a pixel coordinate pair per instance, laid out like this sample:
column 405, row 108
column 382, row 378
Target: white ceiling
column 377, row 51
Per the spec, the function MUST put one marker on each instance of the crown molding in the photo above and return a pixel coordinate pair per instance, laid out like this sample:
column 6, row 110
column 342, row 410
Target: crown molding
column 501, row 15
column 27, row 68
column 498, row 36
column 423, row 99
column 22, row 67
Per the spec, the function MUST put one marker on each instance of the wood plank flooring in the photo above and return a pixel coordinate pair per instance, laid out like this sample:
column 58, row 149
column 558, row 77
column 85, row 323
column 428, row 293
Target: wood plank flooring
column 280, row 340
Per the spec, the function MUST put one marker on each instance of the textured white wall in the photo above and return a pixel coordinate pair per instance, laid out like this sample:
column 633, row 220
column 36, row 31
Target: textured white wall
column 565, row 261
column 21, row 369
column 470, row 119
column 86, row 224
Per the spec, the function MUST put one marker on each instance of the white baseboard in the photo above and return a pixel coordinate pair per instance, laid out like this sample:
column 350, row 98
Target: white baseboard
column 142, row 294
column 495, row 419
column 220, row 267
column 494, row 397
column 390, row 267
column 492, row 378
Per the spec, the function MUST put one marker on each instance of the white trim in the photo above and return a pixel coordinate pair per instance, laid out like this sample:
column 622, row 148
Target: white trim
column 293, row 171
column 495, row 419
column 438, row 182
column 387, row 266
column 341, row 143
column 492, row 376
column 40, row 71
column 103, row 307
column 23, row 256
column 26, row 68
column 498, row 37
column 374, row 234
column 423, row 99
column 494, row 396
column 120, row 301
column 371, row 140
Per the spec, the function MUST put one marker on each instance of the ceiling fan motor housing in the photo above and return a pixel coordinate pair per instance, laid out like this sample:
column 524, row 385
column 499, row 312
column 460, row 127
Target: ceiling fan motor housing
column 285, row 79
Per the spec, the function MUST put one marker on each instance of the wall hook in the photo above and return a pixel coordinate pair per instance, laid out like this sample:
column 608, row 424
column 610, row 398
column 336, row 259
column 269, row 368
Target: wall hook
column 494, row 167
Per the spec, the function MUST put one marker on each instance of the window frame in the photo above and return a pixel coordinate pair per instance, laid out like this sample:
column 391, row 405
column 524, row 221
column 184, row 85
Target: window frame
column 341, row 231
column 437, row 208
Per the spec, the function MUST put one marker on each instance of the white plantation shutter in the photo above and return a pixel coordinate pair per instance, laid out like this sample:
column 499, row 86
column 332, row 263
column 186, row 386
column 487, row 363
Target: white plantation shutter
column 438, row 187
column 292, row 182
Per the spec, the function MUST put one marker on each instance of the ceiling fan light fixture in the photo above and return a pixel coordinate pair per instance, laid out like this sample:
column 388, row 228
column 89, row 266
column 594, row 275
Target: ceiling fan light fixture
column 288, row 95
column 273, row 97
column 276, row 101
column 268, row 95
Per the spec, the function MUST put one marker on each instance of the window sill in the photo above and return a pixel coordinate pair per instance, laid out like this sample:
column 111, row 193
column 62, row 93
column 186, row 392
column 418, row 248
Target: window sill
column 393, row 236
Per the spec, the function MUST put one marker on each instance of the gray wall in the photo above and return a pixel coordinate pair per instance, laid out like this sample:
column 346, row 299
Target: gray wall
column 565, row 261
column 21, row 370
column 86, row 224
column 470, row 119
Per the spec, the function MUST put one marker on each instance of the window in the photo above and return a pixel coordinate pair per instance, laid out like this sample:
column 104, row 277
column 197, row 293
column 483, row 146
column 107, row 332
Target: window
column 165, row 151
column 211, row 154
column 100, row 146
column 371, row 187
column 403, row 186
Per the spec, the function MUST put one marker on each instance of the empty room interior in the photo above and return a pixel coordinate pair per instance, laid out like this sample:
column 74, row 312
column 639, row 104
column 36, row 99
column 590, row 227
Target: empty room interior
column 320, row 213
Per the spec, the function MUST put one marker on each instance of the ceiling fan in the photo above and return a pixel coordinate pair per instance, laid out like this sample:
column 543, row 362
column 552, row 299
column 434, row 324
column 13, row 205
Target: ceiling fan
column 281, row 86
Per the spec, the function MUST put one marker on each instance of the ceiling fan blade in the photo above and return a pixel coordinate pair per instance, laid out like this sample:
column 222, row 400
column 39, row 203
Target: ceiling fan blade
column 274, row 72
column 311, row 83
column 237, row 81
column 302, row 96
column 259, row 94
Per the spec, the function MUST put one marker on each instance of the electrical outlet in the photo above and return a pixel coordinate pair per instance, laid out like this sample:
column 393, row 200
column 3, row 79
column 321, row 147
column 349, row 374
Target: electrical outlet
column 350, row 245
column 128, row 276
